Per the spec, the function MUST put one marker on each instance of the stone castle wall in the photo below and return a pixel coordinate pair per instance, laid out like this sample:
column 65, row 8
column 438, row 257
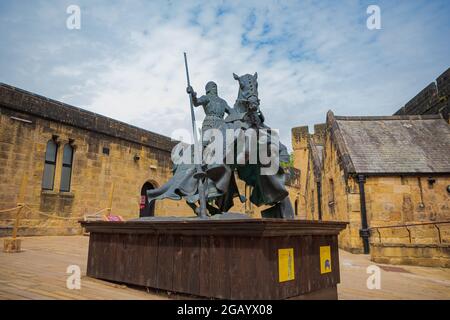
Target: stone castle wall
column 340, row 198
column 390, row 199
column 301, row 154
column 427, row 255
column 308, row 203
column 433, row 99
column 408, row 200
column 22, row 153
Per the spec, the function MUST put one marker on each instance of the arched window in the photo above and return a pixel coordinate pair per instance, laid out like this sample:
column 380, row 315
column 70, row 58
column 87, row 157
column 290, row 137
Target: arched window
column 66, row 172
column 331, row 202
column 49, row 166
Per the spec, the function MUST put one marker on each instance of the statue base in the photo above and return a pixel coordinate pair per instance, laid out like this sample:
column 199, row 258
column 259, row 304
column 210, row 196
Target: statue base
column 219, row 258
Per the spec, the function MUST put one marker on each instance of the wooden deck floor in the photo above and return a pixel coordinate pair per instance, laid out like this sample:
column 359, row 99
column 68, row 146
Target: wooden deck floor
column 39, row 272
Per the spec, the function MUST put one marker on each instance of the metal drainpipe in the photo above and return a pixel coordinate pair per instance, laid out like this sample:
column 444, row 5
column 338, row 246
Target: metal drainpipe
column 364, row 232
column 319, row 199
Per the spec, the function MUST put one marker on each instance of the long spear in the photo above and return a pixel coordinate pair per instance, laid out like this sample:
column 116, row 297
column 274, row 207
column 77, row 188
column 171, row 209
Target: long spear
column 197, row 152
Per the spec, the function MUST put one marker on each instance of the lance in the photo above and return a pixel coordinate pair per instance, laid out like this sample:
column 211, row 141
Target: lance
column 200, row 175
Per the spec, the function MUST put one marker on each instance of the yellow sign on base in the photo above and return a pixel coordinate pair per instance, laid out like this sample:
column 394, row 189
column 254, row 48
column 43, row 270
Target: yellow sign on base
column 286, row 264
column 325, row 259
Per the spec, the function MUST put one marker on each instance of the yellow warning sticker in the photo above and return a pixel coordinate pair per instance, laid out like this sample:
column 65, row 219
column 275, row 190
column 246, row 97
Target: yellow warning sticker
column 286, row 264
column 325, row 259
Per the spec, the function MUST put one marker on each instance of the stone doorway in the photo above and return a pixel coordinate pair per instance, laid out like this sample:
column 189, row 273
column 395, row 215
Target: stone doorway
column 146, row 209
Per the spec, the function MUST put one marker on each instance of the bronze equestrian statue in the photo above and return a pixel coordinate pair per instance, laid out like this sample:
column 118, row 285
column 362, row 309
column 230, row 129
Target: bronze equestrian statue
column 218, row 178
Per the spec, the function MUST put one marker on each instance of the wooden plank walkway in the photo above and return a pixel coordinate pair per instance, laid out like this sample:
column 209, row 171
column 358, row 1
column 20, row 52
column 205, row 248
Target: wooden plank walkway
column 39, row 272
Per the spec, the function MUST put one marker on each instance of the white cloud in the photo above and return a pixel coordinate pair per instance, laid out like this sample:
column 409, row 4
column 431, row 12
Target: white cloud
column 127, row 62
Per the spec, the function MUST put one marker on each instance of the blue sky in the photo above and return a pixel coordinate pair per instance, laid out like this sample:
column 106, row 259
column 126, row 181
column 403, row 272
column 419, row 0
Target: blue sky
column 126, row 61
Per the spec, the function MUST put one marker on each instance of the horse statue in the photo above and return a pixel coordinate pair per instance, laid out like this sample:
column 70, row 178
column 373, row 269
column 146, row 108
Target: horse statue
column 243, row 120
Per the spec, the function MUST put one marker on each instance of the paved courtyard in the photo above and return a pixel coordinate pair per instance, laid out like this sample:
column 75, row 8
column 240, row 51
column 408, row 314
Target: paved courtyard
column 39, row 272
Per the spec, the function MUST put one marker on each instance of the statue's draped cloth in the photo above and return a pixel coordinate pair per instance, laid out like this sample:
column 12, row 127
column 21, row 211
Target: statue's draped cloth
column 221, row 183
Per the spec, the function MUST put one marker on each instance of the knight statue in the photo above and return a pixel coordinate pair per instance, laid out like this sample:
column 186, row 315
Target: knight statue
column 218, row 178
column 214, row 106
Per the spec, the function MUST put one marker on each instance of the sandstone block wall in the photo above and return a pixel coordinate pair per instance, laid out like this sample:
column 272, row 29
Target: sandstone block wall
column 433, row 99
column 397, row 200
column 22, row 152
column 427, row 255
column 390, row 200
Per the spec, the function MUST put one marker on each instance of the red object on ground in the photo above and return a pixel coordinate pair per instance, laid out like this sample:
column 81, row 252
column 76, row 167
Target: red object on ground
column 113, row 218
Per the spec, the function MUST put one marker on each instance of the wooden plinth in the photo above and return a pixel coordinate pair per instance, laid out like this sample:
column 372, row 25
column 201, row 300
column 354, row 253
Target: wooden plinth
column 226, row 259
column 12, row 245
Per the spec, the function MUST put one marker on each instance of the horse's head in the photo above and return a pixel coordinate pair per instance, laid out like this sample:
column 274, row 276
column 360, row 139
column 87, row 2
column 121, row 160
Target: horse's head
column 248, row 90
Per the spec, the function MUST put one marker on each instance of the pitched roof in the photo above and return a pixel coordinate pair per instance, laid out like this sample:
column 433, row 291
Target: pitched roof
column 392, row 144
column 316, row 157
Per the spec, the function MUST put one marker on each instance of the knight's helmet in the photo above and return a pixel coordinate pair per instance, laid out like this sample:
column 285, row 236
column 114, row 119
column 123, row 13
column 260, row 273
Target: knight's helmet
column 211, row 87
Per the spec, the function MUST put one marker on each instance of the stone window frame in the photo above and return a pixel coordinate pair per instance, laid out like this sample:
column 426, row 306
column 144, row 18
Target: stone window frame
column 67, row 165
column 50, row 162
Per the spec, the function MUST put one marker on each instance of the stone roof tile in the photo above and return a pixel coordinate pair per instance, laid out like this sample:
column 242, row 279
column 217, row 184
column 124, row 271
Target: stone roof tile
column 395, row 144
